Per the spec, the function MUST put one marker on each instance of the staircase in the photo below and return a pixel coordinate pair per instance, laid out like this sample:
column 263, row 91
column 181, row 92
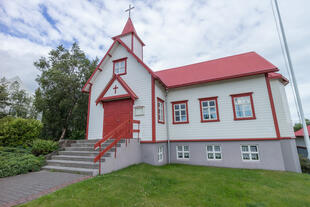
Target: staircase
column 79, row 157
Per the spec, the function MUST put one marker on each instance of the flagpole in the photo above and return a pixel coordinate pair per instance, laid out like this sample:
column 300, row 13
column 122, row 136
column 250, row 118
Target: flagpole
column 299, row 104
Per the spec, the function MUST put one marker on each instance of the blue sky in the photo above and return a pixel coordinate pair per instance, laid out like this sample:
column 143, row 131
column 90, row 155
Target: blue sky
column 175, row 32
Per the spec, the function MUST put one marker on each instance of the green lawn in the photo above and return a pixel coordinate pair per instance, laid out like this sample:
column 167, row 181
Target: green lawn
column 184, row 185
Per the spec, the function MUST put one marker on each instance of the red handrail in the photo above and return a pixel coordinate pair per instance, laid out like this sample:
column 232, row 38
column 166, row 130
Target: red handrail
column 110, row 134
column 118, row 133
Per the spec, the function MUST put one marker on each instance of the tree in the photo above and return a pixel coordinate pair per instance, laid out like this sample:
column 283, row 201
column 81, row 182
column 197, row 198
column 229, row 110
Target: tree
column 19, row 100
column 59, row 96
column 4, row 97
column 298, row 126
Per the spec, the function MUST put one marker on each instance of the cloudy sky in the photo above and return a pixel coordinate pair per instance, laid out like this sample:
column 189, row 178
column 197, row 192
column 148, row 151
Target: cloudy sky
column 175, row 33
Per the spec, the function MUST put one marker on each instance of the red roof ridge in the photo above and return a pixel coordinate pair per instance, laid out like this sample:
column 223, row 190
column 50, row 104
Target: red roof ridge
column 178, row 67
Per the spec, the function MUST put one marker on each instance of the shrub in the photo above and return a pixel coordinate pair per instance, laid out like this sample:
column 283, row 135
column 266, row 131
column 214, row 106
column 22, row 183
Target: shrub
column 305, row 164
column 18, row 161
column 18, row 131
column 43, row 147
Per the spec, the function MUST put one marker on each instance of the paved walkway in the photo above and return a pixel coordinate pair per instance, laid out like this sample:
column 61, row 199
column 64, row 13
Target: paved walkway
column 22, row 188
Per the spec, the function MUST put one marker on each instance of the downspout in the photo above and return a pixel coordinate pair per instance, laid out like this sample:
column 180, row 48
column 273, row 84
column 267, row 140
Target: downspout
column 167, row 126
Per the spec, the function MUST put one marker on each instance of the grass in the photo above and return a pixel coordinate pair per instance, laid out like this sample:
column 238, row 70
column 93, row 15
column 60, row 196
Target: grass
column 184, row 185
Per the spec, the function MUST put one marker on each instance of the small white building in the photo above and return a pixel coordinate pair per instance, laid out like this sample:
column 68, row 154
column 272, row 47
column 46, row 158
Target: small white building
column 228, row 112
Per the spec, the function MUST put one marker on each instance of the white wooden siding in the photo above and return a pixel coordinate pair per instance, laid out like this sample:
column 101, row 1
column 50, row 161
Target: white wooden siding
column 137, row 47
column 119, row 91
column 261, row 127
column 137, row 78
column 127, row 40
column 161, row 129
column 282, row 108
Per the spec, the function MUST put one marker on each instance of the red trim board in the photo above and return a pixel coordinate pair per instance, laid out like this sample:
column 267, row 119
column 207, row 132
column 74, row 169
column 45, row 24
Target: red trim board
column 88, row 110
column 123, row 83
column 252, row 105
column 218, row 140
column 217, row 109
column 153, row 110
column 273, row 110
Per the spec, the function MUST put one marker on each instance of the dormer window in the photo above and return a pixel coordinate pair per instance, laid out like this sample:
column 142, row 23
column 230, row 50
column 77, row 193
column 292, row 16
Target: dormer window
column 120, row 66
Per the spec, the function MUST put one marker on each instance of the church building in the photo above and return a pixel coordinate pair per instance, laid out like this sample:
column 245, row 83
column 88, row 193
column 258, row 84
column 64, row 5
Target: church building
column 227, row 112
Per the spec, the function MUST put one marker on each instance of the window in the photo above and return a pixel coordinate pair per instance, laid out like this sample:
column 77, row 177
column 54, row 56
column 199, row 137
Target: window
column 120, row 66
column 180, row 112
column 243, row 106
column 160, row 111
column 214, row 152
column 160, row 154
column 209, row 109
column 249, row 152
column 183, row 152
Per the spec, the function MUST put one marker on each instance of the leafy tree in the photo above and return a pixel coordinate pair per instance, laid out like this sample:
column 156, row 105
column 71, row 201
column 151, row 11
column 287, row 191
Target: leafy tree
column 298, row 126
column 59, row 96
column 20, row 101
column 4, row 97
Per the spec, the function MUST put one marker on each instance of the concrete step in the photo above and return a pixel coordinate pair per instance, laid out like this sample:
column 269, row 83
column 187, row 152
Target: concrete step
column 94, row 141
column 76, row 158
column 83, row 153
column 92, row 145
column 88, row 148
column 75, row 164
column 84, row 171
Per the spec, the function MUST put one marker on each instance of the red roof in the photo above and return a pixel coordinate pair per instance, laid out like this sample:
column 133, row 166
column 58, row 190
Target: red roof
column 129, row 27
column 278, row 76
column 219, row 69
column 300, row 132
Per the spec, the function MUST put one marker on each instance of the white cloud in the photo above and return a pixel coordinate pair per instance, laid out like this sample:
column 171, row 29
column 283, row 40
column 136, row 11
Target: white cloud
column 175, row 32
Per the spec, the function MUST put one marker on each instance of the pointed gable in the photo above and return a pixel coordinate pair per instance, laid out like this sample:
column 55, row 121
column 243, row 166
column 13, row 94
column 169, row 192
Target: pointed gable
column 116, row 89
column 129, row 27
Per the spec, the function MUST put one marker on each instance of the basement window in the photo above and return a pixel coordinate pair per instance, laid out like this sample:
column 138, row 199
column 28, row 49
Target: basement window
column 249, row 152
column 183, row 152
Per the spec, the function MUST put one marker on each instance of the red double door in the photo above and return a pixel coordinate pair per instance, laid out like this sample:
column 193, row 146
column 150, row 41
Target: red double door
column 115, row 113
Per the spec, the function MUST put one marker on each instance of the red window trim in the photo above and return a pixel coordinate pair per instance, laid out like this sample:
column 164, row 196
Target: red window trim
column 178, row 102
column 163, row 102
column 120, row 60
column 217, row 109
column 252, row 105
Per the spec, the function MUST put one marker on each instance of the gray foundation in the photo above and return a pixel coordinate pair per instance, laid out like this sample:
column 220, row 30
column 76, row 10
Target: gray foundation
column 274, row 154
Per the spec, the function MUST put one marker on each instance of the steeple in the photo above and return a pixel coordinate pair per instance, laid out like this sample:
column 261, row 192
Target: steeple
column 128, row 27
column 130, row 37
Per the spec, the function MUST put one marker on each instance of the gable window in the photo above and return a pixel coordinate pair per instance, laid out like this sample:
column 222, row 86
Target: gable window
column 183, row 152
column 209, row 109
column 160, row 111
column 120, row 66
column 180, row 112
column 214, row 152
column 160, row 153
column 243, row 106
column 249, row 152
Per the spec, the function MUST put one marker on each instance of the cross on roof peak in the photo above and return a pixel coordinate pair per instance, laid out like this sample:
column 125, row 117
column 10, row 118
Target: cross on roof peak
column 128, row 10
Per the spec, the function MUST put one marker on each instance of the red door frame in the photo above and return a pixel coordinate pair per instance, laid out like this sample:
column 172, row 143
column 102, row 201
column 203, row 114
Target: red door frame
column 131, row 102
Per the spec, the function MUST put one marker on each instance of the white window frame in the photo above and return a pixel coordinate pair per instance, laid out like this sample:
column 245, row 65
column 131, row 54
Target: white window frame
column 213, row 152
column 208, row 108
column 242, row 107
column 160, row 153
column 250, row 152
column 118, row 69
column 160, row 111
column 183, row 152
column 180, row 112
